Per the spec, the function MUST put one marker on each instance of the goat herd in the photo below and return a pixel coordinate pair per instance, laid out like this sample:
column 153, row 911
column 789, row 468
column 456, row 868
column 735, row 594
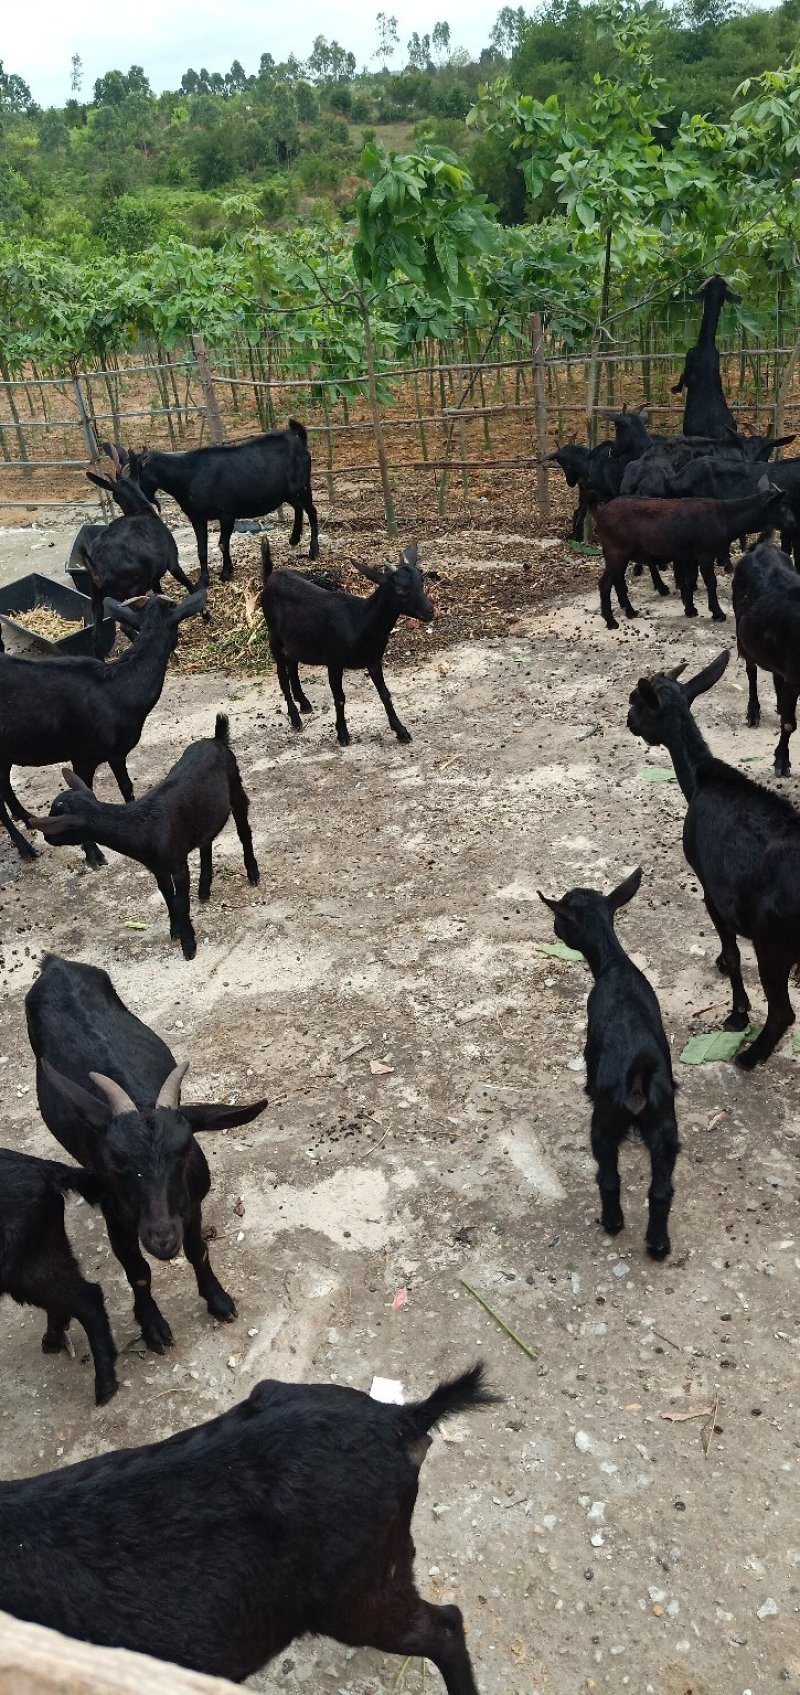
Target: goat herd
column 306, row 1493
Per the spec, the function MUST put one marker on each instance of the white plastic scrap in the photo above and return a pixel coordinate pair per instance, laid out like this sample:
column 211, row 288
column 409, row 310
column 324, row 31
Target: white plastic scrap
column 388, row 1389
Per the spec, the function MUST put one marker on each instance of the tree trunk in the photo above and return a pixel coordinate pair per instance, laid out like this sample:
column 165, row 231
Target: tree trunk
column 377, row 426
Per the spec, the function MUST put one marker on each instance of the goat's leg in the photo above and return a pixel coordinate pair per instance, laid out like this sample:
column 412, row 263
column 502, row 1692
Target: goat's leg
column 686, row 580
column 621, row 591
column 788, row 712
column 51, row 1267
column 709, row 577
column 335, row 678
column 311, row 513
column 753, row 702
column 200, row 527
column 663, row 1145
column 774, row 965
column 12, row 800
column 579, row 518
column 605, row 1148
column 297, row 526
column 393, row 1617
column 125, row 1245
column 376, row 673
column 182, row 887
column 609, row 577
column 220, row 1304
column 94, row 858
column 657, row 580
column 282, row 668
column 206, row 870
column 167, row 892
column 240, row 807
column 297, row 687
column 225, row 533
column 119, row 771
column 8, row 803
column 729, row 962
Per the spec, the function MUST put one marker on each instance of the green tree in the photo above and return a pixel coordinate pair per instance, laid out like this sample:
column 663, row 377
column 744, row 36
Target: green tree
column 418, row 51
column 510, row 29
column 387, row 37
column 440, row 41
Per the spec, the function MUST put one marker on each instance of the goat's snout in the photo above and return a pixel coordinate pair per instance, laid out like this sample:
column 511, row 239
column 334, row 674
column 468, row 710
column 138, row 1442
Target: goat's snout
column 163, row 1240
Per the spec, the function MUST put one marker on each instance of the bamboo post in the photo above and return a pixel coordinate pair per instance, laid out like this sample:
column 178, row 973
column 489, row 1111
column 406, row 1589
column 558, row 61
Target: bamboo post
column 89, row 436
column 540, row 413
column 785, row 386
column 377, row 425
column 216, row 428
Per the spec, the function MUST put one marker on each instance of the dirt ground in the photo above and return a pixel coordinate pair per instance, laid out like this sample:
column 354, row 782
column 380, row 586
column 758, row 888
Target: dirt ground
column 384, row 987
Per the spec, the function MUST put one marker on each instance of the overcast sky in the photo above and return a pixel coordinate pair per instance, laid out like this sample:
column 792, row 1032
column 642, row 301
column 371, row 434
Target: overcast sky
column 37, row 40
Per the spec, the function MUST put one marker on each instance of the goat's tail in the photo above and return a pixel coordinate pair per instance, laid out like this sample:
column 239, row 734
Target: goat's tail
column 460, row 1394
column 221, row 729
column 266, row 560
column 72, row 1178
column 299, row 430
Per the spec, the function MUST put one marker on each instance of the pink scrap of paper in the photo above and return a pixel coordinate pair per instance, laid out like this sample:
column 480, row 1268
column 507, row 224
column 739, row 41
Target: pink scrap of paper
column 400, row 1299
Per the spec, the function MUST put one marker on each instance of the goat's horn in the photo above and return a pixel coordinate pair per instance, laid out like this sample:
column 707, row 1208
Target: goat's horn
column 118, row 1100
column 676, row 671
column 170, row 1092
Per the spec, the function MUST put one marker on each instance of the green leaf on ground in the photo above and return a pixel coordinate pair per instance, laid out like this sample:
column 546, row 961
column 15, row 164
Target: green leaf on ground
column 657, row 774
column 714, row 1045
column 559, row 950
column 584, row 547
column 131, row 924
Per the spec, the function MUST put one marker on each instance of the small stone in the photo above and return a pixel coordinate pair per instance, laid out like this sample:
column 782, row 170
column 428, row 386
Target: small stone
column 597, row 1511
column 583, row 1442
column 597, row 1540
column 576, row 1064
column 768, row 1609
column 658, row 1610
column 621, row 1269
column 657, row 1594
column 673, row 1608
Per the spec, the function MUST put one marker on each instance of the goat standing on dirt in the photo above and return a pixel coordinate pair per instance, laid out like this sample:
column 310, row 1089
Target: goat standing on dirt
column 131, row 555
column 628, row 1066
column 766, row 602
column 312, row 626
column 187, row 810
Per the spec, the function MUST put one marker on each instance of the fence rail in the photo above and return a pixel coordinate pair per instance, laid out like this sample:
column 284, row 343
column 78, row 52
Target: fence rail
column 465, row 421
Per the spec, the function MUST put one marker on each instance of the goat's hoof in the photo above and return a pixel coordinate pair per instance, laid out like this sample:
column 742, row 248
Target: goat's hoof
column 222, row 1306
column 613, row 1223
column 203, row 895
column 403, row 735
column 611, row 624
column 737, row 1020
column 638, row 569
column 782, row 768
column 662, row 589
column 28, row 853
column 157, row 1335
column 753, row 719
column 54, row 1344
column 297, row 723
column 189, row 949
column 105, row 1392
column 719, row 617
column 253, row 876
column 343, row 738
column 305, row 706
column 690, row 611
column 720, row 964
column 631, row 612
column 751, row 1056
column 659, row 1250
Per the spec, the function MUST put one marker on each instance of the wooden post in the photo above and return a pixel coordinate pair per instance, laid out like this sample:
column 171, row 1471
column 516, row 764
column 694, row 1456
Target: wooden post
column 785, row 386
column 542, row 484
column 106, row 503
column 216, row 428
column 36, row 1661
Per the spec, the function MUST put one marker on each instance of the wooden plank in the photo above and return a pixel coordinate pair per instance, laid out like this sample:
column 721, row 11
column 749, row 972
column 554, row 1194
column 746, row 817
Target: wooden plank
column 35, row 1661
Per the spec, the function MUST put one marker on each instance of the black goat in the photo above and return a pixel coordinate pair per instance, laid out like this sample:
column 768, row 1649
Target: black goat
column 243, row 480
column 184, row 812
column 109, row 1091
column 690, row 533
column 83, row 711
column 742, row 842
column 131, row 555
column 310, row 626
column 289, row 1515
column 720, row 479
column 628, row 1066
column 766, row 604
column 706, row 412
column 37, row 1265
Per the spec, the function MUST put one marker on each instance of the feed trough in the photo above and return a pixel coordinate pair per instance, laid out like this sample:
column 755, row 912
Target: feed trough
column 28, row 593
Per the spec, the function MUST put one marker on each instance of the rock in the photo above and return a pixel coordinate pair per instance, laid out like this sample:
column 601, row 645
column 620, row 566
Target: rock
column 583, row 1442
column 621, row 1269
column 768, row 1609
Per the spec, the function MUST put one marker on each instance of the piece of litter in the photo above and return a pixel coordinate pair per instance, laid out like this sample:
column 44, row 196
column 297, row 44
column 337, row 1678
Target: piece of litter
column 133, row 924
column 388, row 1389
column 715, row 1045
column 681, row 1417
column 400, row 1299
column 576, row 1064
column 379, row 1068
column 559, row 950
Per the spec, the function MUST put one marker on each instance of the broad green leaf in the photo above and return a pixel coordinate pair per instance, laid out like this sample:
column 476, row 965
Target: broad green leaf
column 657, row 774
column 559, row 950
column 716, row 1045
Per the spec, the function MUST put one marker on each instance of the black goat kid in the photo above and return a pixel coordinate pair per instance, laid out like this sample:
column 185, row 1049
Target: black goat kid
column 187, row 810
column 309, row 625
column 110, row 1092
column 289, row 1515
column 131, row 555
column 37, row 1265
column 628, row 1067
column 742, row 842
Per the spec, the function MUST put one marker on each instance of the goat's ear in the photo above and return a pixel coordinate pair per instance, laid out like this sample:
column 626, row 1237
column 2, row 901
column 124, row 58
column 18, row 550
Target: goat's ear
column 648, row 690
column 676, row 671
column 625, row 891
column 374, row 574
column 764, row 484
column 195, row 602
column 706, row 678
column 559, row 907
column 96, row 1113
column 56, row 825
column 781, row 441
column 222, row 1117
column 101, row 482
column 124, row 614
column 409, row 555
column 73, row 781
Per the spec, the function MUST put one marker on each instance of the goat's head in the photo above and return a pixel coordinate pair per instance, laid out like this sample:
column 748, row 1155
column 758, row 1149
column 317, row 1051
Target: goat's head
column 141, row 470
column 405, row 584
column 145, row 1154
column 573, row 459
column 776, row 511
column 69, row 821
column 718, row 285
column 147, row 613
column 582, row 914
column 656, row 702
